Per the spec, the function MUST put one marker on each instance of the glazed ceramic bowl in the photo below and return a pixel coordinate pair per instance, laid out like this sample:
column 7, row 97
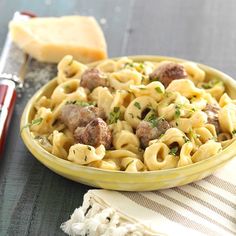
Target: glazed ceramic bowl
column 118, row 180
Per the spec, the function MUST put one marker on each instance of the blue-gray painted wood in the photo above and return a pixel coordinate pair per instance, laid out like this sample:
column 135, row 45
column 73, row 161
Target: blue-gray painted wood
column 34, row 200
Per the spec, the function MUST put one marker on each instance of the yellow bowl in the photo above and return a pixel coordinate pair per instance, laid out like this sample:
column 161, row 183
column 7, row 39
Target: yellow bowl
column 118, row 180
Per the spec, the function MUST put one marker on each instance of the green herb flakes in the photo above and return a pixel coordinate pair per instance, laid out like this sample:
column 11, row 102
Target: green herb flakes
column 141, row 66
column 137, row 104
column 81, row 103
column 129, row 64
column 177, row 111
column 152, row 119
column 186, row 140
column 116, row 109
column 114, row 115
column 173, row 151
column 155, row 78
column 158, row 89
column 33, row 122
column 194, row 135
column 211, row 84
column 234, row 132
column 67, row 88
column 142, row 88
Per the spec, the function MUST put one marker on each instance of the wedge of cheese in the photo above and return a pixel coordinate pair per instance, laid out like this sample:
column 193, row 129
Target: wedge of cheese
column 49, row 39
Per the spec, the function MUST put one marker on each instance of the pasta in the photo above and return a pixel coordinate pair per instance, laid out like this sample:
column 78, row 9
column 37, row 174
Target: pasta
column 227, row 118
column 124, row 115
column 68, row 69
column 157, row 157
column 60, row 144
column 85, row 154
column 69, row 90
column 185, row 157
column 133, row 113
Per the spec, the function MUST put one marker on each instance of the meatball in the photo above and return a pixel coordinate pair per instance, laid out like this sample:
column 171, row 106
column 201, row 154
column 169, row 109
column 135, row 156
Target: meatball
column 73, row 115
column 93, row 78
column 95, row 133
column 168, row 72
column 212, row 111
column 146, row 132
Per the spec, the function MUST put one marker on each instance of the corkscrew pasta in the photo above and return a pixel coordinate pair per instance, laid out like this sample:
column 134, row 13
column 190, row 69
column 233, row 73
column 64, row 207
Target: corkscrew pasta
column 123, row 115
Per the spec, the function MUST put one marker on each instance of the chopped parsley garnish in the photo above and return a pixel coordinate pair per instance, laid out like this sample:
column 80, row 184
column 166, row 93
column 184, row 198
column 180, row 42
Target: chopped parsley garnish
column 129, row 64
column 142, row 88
column 67, row 88
column 89, row 148
column 85, row 158
column 154, row 78
column 152, row 119
column 206, row 86
column 81, row 103
column 141, row 65
column 158, row 89
column 234, row 132
column 114, row 115
column 210, row 84
column 137, row 104
column 73, row 151
column 186, row 140
column 177, row 111
column 173, row 151
column 116, row 109
column 194, row 135
column 33, row 122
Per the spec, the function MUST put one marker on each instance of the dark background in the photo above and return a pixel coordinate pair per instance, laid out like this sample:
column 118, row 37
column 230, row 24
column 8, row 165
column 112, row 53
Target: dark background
column 34, row 200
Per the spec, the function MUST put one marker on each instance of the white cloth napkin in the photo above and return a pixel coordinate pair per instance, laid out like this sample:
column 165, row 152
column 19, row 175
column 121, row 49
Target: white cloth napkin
column 206, row 207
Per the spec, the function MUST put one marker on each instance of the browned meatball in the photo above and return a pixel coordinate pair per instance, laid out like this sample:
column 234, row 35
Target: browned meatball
column 93, row 78
column 95, row 133
column 168, row 72
column 73, row 115
column 146, row 132
column 212, row 111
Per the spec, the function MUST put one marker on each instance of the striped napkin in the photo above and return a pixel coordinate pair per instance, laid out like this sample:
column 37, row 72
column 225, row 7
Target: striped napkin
column 206, row 207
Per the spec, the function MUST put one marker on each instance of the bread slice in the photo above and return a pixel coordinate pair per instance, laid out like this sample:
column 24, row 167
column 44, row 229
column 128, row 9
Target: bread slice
column 49, row 39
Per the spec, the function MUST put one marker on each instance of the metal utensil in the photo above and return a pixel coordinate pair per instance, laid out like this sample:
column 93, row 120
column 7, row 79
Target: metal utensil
column 9, row 83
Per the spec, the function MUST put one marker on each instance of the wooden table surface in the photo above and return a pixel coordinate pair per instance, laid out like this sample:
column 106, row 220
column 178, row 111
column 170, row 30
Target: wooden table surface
column 34, row 200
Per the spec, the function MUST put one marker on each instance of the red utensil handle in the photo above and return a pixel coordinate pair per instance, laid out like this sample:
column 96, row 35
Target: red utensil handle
column 7, row 102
